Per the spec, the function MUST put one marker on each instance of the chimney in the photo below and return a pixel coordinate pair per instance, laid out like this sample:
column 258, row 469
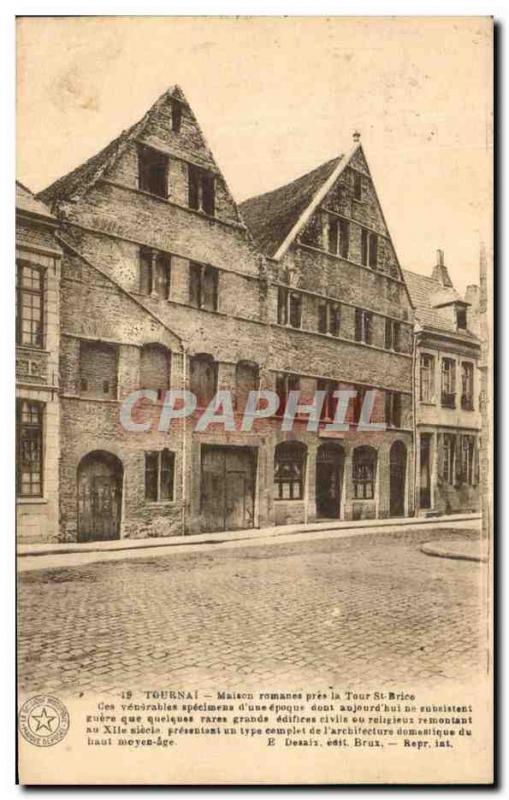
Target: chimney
column 440, row 273
column 356, row 136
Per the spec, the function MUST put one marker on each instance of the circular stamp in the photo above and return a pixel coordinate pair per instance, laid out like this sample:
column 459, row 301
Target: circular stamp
column 43, row 720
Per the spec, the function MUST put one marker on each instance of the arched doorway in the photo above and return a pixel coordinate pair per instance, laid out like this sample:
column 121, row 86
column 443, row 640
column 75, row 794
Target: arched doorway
column 99, row 497
column 329, row 480
column 397, row 479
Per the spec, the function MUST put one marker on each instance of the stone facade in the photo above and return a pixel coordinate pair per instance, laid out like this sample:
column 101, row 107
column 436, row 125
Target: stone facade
column 38, row 257
column 162, row 272
column 447, row 394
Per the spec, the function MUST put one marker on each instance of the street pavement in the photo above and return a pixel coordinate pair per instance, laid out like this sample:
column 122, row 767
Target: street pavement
column 363, row 610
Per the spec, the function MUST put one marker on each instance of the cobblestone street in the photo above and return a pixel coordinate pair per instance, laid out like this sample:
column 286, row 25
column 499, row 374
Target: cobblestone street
column 372, row 609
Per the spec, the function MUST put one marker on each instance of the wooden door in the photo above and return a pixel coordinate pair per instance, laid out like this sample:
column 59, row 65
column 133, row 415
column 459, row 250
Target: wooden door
column 99, row 499
column 227, row 488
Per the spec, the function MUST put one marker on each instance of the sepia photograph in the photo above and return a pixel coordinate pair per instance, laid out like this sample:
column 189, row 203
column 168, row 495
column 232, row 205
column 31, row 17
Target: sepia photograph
column 254, row 400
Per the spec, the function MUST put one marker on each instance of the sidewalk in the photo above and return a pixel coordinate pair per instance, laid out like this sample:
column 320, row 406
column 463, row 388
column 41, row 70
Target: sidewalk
column 46, row 556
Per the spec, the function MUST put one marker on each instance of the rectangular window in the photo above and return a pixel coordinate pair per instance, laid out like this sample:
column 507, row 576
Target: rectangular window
column 393, row 409
column 155, row 273
column 203, row 286
column 282, row 305
column 358, row 401
column 363, row 326
column 295, row 314
column 363, row 474
column 153, row 171
column 333, row 235
column 467, row 459
column 176, row 116
column 159, row 476
column 285, row 383
column 448, row 455
column 392, row 335
column 29, row 305
column 330, row 402
column 289, row 307
column 344, row 238
column 201, row 190
column 329, row 318
column 289, row 468
column 373, row 250
column 364, row 247
column 29, row 433
column 461, row 318
column 448, row 383
column 369, row 249
column 427, row 378
column 467, row 386
column 357, row 186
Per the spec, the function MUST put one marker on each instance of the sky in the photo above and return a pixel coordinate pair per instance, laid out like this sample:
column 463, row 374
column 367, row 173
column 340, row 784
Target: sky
column 275, row 97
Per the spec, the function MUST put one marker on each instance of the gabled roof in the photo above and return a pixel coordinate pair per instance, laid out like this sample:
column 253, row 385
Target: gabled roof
column 76, row 182
column 271, row 216
column 26, row 202
column 425, row 292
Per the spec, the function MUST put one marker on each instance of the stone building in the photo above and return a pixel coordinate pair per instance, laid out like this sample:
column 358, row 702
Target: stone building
column 37, row 345
column 447, row 389
column 166, row 283
column 341, row 318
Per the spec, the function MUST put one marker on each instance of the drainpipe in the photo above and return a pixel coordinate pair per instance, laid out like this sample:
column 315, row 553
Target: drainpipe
column 414, row 413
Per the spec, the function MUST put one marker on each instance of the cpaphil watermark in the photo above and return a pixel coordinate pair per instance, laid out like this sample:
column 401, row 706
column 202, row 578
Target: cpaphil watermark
column 43, row 720
column 262, row 404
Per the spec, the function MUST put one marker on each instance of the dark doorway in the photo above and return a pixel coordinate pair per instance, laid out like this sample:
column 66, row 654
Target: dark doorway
column 99, row 497
column 227, row 494
column 397, row 479
column 329, row 480
column 425, row 471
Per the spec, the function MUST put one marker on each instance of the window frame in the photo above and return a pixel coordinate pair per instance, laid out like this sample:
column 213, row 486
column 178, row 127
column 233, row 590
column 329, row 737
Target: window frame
column 393, row 408
column 201, row 190
column 36, row 342
column 467, row 398
column 392, row 335
column 35, row 433
column 293, row 453
column 448, row 381
column 144, row 177
column 363, row 325
column 151, row 260
column 159, row 470
column 449, row 458
column 198, row 273
column 364, row 473
column 430, row 384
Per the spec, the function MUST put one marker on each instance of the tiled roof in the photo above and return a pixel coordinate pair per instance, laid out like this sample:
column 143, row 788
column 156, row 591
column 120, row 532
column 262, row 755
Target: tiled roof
column 425, row 293
column 271, row 216
column 25, row 201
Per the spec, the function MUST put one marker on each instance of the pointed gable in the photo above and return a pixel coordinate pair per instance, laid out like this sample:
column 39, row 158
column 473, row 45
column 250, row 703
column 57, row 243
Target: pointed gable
column 169, row 127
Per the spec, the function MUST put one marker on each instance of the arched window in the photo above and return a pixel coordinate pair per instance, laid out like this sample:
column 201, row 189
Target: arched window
column 155, row 363
column 364, row 473
column 246, row 380
column 289, row 471
column 203, row 378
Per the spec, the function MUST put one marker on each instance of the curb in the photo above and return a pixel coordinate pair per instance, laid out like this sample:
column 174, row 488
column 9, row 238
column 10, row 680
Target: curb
column 443, row 552
column 235, row 536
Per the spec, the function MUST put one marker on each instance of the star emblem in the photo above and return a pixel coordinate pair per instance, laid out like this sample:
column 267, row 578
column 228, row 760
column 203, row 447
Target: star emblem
column 43, row 720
